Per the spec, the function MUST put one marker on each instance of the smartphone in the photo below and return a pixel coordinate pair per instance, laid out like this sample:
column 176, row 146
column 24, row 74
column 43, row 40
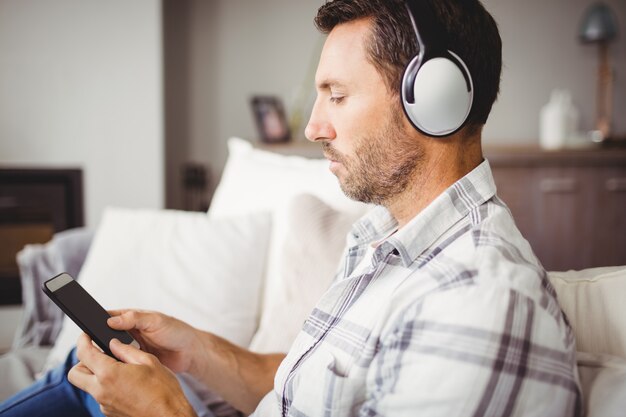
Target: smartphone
column 85, row 311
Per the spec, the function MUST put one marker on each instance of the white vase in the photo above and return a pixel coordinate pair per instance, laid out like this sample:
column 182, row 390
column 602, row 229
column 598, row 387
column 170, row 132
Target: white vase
column 558, row 121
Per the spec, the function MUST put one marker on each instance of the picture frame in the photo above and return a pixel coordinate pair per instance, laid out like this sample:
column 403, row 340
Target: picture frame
column 271, row 122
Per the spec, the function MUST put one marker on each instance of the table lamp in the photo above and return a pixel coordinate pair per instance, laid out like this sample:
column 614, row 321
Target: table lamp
column 599, row 26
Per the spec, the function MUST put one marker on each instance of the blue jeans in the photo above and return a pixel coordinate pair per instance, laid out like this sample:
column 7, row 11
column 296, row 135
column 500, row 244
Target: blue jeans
column 54, row 396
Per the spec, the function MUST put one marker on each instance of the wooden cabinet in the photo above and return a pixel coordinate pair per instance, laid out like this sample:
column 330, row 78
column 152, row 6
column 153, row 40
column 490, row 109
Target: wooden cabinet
column 34, row 204
column 570, row 205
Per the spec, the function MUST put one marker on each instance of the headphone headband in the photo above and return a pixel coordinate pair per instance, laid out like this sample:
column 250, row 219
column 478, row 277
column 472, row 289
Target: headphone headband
column 437, row 88
column 431, row 39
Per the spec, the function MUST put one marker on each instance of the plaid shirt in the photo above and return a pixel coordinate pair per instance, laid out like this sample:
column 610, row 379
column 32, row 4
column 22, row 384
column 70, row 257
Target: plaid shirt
column 453, row 317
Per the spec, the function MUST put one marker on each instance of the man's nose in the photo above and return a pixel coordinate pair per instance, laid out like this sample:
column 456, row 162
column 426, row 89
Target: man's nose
column 319, row 127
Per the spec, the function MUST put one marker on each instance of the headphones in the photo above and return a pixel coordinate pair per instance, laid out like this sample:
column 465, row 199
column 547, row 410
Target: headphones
column 437, row 87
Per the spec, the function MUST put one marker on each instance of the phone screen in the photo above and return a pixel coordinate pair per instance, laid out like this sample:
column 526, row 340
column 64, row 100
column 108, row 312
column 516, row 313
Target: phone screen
column 84, row 310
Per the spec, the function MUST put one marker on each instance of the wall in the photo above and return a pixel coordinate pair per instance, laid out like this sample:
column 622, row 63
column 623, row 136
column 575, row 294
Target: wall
column 81, row 81
column 243, row 47
column 81, row 86
column 541, row 52
column 191, row 30
column 220, row 53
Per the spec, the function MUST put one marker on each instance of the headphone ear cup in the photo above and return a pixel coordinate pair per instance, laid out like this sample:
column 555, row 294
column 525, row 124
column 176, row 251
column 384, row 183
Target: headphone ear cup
column 442, row 100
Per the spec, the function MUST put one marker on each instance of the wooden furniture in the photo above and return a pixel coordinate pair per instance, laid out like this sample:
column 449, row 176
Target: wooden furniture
column 34, row 204
column 569, row 204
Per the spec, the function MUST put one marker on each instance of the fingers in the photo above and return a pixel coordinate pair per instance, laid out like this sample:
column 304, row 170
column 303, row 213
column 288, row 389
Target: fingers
column 91, row 363
column 130, row 354
column 91, row 356
column 133, row 319
column 119, row 312
column 81, row 377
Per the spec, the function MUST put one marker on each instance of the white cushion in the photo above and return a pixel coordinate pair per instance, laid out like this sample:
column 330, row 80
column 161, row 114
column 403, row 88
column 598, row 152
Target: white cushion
column 594, row 301
column 603, row 382
column 205, row 272
column 255, row 180
column 308, row 238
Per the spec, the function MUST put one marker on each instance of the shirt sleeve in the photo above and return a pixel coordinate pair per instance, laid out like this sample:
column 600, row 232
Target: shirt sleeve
column 472, row 351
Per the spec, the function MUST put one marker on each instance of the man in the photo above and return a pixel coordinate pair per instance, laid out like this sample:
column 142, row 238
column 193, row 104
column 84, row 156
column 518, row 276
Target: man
column 440, row 307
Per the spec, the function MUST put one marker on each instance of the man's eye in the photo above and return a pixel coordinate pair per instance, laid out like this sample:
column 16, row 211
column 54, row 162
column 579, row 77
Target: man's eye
column 336, row 99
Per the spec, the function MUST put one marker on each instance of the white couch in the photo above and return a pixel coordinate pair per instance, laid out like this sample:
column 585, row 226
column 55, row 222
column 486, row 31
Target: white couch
column 252, row 269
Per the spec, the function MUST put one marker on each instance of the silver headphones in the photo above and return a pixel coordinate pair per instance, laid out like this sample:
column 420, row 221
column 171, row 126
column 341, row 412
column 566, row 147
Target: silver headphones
column 437, row 87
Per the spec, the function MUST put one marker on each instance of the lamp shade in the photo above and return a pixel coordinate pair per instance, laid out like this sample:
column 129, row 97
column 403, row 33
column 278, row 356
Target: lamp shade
column 599, row 24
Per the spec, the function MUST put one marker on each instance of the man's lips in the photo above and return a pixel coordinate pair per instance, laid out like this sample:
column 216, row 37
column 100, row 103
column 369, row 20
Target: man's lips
column 334, row 165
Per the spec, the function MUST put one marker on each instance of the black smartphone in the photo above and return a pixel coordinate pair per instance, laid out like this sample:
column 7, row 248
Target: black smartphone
column 85, row 311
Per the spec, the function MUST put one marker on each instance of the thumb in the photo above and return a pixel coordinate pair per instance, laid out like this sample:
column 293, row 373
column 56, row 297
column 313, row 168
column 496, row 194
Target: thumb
column 129, row 354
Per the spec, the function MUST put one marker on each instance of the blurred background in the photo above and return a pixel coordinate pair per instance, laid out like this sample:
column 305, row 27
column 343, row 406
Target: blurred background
column 130, row 103
column 132, row 91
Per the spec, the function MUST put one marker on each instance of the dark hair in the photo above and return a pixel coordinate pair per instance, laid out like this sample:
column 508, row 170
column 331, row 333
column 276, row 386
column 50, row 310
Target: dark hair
column 471, row 32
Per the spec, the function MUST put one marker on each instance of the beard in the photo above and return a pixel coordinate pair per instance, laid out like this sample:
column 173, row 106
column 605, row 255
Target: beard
column 382, row 164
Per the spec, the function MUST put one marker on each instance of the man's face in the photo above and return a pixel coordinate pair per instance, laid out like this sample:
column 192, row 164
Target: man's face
column 359, row 122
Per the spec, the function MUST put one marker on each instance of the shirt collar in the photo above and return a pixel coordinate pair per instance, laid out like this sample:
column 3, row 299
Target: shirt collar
column 432, row 222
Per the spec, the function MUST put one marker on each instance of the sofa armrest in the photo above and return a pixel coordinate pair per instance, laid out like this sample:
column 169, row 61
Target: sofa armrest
column 66, row 252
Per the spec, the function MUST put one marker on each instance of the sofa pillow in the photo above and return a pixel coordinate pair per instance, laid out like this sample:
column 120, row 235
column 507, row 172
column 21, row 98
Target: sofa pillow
column 593, row 300
column 308, row 238
column 256, row 180
column 603, row 382
column 205, row 272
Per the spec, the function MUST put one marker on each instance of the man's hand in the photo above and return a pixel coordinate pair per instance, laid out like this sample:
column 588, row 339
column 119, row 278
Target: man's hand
column 137, row 386
column 169, row 339
column 241, row 377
